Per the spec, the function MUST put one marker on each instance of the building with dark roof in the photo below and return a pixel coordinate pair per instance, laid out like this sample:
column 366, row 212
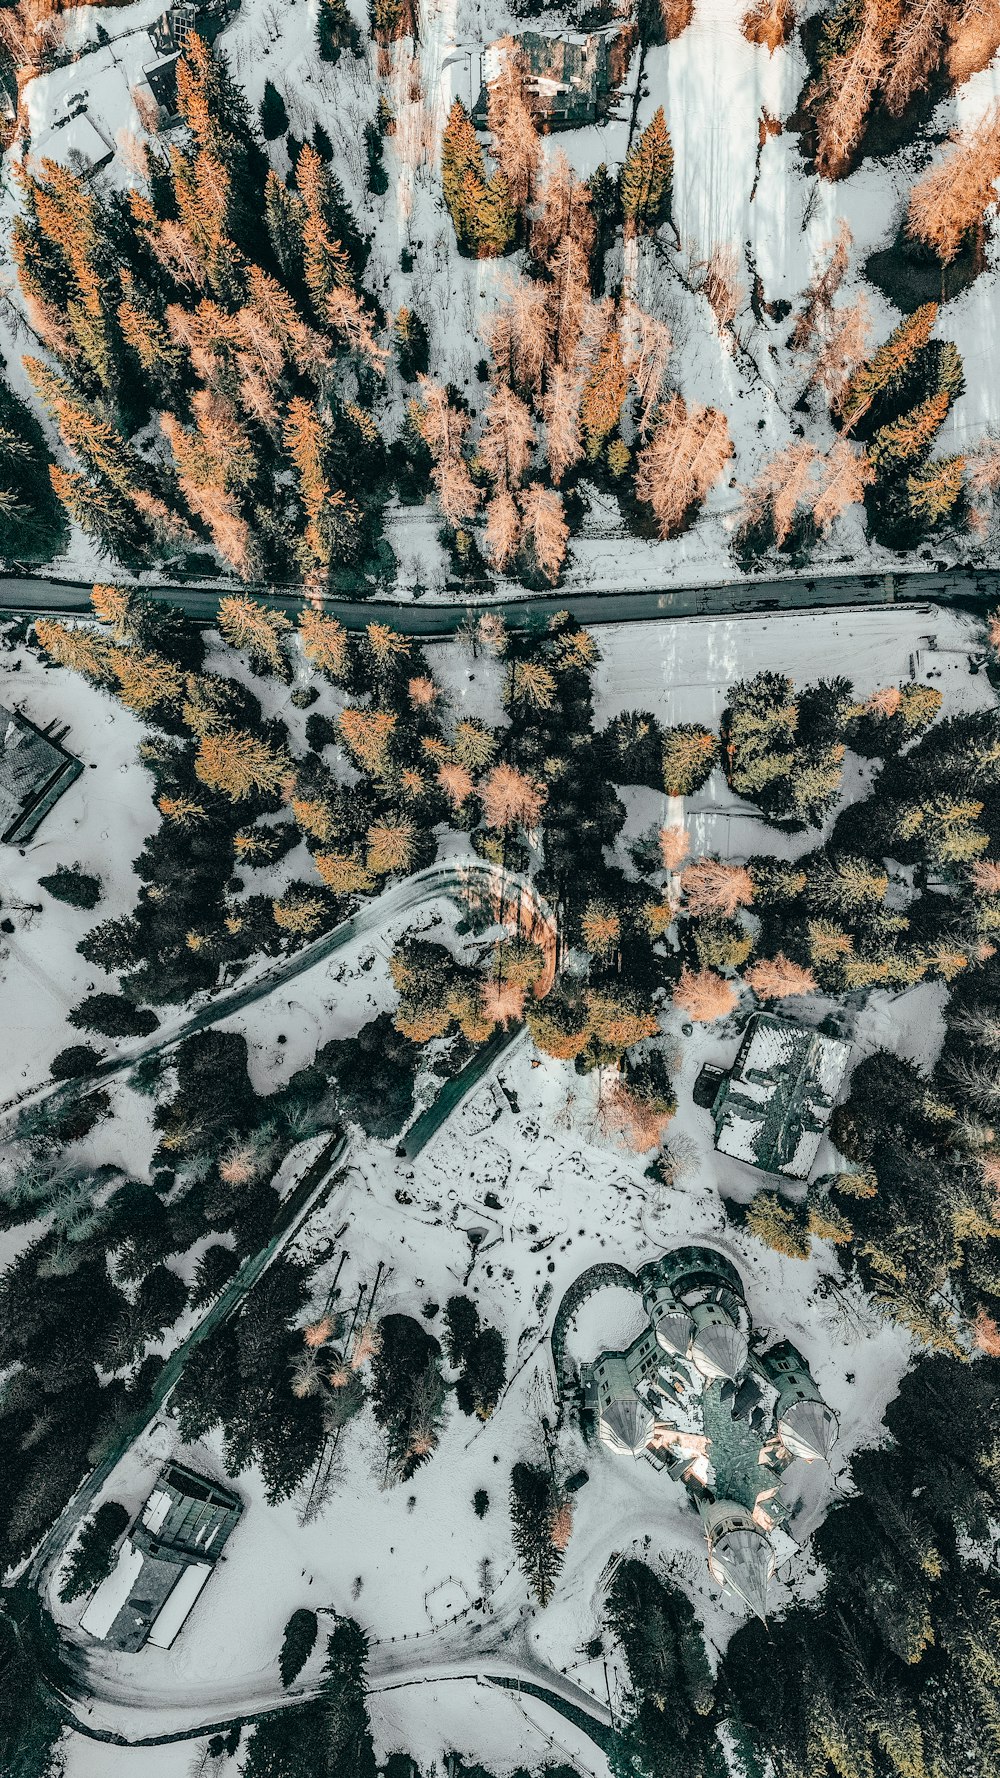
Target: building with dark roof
column 35, row 769
column 164, row 1561
column 698, row 1395
column 773, row 1107
column 568, row 75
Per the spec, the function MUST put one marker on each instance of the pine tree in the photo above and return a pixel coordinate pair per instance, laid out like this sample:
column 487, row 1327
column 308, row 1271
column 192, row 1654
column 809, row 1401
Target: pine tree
column 546, row 527
column 948, row 204
column 507, row 440
column 689, row 755
column 246, row 624
column 911, row 437
column 240, row 764
column 481, row 209
column 647, row 177
column 604, row 392
column 533, row 1507
column 273, row 116
column 933, row 493
column 325, row 643
column 336, row 31
column 684, row 458
column 886, row 372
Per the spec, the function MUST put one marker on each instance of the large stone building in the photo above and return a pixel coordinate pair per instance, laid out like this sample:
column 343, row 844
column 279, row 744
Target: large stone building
column 35, row 769
column 164, row 1562
column 773, row 1107
column 698, row 1397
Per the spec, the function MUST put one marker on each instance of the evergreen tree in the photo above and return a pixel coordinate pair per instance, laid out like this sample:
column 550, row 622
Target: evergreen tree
column 273, row 116
column 647, row 177
column 335, row 31
column 533, row 1506
column 299, row 1641
column 93, row 1554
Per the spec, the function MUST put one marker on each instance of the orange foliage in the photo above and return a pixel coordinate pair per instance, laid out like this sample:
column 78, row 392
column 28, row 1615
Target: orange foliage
column 776, row 978
column 675, row 845
column 769, row 22
column 711, row 887
column 510, row 799
column 704, row 996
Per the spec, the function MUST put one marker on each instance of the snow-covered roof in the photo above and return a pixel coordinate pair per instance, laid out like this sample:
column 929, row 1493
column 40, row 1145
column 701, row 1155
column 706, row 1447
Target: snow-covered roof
column 774, row 1106
column 808, row 1429
column 741, row 1556
column 113, row 1592
column 172, row 1615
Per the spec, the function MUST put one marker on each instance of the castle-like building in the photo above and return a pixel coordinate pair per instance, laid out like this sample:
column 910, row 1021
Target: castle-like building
column 697, row 1396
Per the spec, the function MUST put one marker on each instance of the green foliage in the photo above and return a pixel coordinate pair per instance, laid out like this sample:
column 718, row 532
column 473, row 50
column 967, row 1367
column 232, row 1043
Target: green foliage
column 407, row 1392
column 330, row 1736
column 479, row 206
column 634, row 747
column 33, row 525
column 71, row 884
column 77, row 1059
column 273, row 116
column 93, row 1555
column 374, row 1074
column 785, row 751
column 114, row 1016
column 335, row 31
column 534, row 1502
column 689, row 756
column 665, row 1727
column 31, row 1724
column 299, row 1641
column 647, row 177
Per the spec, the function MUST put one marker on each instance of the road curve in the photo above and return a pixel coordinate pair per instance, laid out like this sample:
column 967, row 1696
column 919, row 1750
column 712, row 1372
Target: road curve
column 402, row 898
column 38, row 595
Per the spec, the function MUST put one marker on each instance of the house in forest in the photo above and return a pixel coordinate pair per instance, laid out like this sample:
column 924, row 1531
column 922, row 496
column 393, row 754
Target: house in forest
column 164, row 1562
column 169, row 34
column 35, row 769
column 569, row 76
column 699, row 1397
column 773, row 1107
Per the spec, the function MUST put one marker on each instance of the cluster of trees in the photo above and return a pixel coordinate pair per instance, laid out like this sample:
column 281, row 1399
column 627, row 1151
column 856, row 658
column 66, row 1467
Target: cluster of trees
column 891, row 1668
column 578, row 378
column 896, row 402
column 330, row 1736
column 230, row 306
column 871, row 58
column 33, row 525
column 479, row 1355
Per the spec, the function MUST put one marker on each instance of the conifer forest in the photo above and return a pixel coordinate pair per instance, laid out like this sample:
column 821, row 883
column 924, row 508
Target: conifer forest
column 500, row 889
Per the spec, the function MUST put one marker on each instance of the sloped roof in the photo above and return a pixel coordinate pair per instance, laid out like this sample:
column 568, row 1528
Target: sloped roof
column 808, row 1429
column 740, row 1557
column 626, row 1424
column 774, row 1106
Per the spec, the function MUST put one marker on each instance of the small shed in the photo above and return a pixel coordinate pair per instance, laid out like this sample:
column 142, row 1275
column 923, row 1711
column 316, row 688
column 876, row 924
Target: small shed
column 35, row 769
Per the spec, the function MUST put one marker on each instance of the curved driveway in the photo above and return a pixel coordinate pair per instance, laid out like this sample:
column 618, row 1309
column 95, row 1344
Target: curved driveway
column 402, row 898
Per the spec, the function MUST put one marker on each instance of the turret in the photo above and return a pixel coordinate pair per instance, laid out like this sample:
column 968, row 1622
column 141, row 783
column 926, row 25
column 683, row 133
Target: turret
column 740, row 1554
column 718, row 1347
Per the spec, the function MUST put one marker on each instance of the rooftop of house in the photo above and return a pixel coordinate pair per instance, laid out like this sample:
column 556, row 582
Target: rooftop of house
column 567, row 73
column 164, row 1561
column 34, row 772
column 774, row 1105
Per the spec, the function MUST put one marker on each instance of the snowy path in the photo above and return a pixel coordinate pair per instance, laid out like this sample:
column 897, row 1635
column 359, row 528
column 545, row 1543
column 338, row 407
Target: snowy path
column 406, row 897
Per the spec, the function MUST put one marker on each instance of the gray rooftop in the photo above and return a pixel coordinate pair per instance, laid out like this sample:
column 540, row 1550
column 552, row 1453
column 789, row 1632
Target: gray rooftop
column 34, row 772
column 773, row 1108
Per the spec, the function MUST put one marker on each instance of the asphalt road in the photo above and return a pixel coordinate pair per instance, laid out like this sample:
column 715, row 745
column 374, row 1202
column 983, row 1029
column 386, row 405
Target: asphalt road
column 37, row 595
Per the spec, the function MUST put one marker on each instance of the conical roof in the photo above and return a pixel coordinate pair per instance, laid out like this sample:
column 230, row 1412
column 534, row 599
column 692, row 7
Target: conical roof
column 674, row 1331
column 741, row 1558
column 626, row 1425
column 808, row 1429
column 720, row 1350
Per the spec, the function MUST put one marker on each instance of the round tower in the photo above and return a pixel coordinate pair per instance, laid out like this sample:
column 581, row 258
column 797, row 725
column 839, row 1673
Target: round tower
column 740, row 1554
